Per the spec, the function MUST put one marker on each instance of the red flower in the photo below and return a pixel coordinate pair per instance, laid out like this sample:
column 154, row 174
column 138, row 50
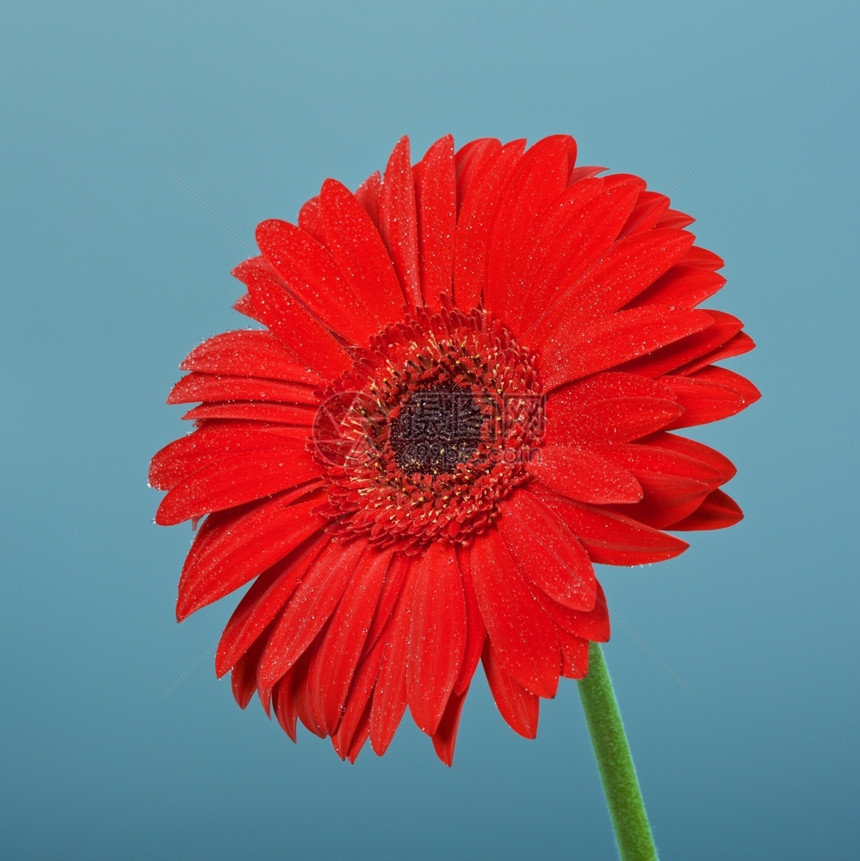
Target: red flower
column 464, row 394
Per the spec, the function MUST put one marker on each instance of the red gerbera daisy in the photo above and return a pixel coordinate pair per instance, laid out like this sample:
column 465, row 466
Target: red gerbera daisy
column 464, row 394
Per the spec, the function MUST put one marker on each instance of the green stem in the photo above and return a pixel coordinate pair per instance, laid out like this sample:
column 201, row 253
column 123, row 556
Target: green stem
column 620, row 785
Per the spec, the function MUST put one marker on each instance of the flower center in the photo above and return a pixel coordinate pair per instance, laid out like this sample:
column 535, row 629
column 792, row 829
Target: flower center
column 435, row 429
column 429, row 430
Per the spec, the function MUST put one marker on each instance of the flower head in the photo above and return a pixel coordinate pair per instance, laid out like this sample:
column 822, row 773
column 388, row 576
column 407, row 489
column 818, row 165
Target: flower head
column 464, row 393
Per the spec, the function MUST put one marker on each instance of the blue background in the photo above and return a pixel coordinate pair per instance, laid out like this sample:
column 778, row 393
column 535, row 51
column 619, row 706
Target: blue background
column 111, row 271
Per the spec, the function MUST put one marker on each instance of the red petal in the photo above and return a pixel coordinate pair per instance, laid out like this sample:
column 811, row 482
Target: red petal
column 521, row 634
column 666, row 461
column 686, row 286
column 334, row 663
column 395, row 580
column 718, row 511
column 668, row 498
column 445, row 736
column 578, row 174
column 590, row 625
column 309, row 608
column 706, row 400
column 735, row 346
column 243, row 679
column 313, row 344
column 234, row 550
column 469, row 161
column 311, row 219
column 232, row 481
column 540, row 177
column 609, row 384
column 310, row 707
column 436, row 197
column 248, row 353
column 211, row 387
column 302, row 698
column 359, row 252
column 618, row 338
column 308, row 271
column 245, row 305
column 369, row 195
column 672, row 357
column 186, row 455
column 516, row 705
column 615, row 539
column 584, row 475
column 389, row 696
column 591, row 226
column 354, row 727
column 563, row 240
column 718, row 463
column 649, row 209
column 574, row 655
column 397, row 220
column 475, row 631
column 609, row 407
column 294, row 415
column 675, row 219
column 362, row 734
column 703, row 258
column 632, row 265
column 731, row 380
column 284, row 706
column 628, row 179
column 437, row 636
column 547, row 552
column 267, row 596
column 475, row 222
